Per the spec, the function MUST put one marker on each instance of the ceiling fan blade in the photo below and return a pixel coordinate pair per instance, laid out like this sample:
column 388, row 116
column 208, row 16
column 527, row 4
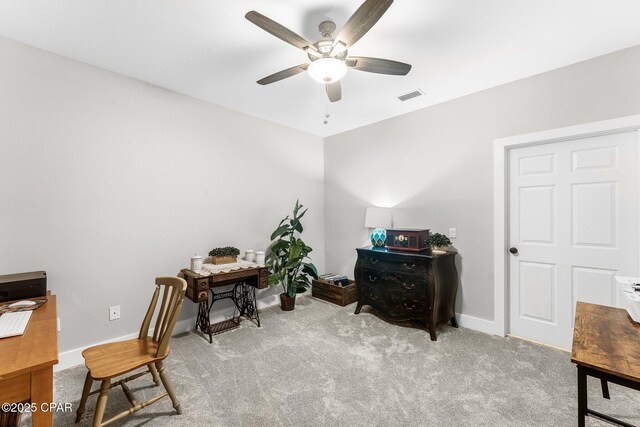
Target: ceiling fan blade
column 278, row 30
column 334, row 91
column 378, row 65
column 280, row 75
column 362, row 20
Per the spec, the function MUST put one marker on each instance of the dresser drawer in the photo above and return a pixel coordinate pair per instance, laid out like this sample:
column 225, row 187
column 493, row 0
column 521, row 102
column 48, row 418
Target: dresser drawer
column 373, row 294
column 408, row 307
column 408, row 286
column 396, row 264
column 392, row 283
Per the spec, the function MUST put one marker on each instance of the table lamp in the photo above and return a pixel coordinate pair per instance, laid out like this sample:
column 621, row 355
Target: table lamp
column 379, row 219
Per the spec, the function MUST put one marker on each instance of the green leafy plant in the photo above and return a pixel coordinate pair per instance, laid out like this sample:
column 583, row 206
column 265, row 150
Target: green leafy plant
column 437, row 239
column 226, row 251
column 288, row 260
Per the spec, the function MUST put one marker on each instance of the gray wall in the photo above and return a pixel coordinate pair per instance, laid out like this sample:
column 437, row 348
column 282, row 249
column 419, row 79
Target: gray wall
column 436, row 163
column 107, row 182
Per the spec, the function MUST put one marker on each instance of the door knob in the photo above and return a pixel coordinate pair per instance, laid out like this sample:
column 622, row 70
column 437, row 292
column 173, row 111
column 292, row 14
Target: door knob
column 513, row 250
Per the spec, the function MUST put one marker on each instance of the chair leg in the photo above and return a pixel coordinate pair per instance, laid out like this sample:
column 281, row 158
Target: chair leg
column 168, row 387
column 102, row 403
column 88, row 381
column 154, row 373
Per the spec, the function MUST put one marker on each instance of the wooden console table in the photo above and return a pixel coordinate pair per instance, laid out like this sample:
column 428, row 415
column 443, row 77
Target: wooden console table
column 605, row 346
column 408, row 285
column 244, row 281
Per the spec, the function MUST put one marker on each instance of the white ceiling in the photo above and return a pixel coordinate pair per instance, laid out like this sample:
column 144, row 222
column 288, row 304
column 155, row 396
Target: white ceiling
column 208, row 50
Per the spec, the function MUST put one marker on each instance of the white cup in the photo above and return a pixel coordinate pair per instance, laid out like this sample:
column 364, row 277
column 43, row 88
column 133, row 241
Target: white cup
column 249, row 255
column 196, row 263
column 260, row 257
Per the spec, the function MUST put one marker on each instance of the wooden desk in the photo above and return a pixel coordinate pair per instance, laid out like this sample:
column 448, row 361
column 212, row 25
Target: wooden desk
column 605, row 346
column 26, row 362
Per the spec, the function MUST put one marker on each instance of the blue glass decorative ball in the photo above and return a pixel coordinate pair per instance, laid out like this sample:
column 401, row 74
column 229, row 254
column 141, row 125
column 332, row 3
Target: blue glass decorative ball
column 379, row 237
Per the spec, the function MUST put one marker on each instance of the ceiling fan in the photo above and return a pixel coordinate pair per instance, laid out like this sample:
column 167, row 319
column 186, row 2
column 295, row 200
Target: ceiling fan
column 329, row 56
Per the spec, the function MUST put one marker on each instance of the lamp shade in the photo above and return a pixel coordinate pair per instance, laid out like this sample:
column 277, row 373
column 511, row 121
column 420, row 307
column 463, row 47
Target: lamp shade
column 378, row 218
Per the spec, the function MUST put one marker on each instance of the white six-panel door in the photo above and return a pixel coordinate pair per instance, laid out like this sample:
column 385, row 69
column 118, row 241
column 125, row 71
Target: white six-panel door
column 574, row 223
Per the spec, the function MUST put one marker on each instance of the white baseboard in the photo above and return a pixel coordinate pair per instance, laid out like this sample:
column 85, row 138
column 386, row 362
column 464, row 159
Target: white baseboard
column 476, row 323
column 71, row 358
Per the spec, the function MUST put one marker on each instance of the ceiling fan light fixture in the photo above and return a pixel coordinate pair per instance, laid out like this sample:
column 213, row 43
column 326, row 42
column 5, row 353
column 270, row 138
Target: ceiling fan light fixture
column 338, row 48
column 327, row 70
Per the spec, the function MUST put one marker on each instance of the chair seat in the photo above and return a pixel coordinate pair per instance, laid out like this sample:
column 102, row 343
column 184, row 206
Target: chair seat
column 114, row 359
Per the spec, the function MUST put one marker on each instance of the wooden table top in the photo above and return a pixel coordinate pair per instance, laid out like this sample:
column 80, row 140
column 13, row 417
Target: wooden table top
column 251, row 271
column 37, row 347
column 606, row 339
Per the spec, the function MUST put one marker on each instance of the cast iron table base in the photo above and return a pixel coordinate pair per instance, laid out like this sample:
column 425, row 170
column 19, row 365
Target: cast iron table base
column 243, row 296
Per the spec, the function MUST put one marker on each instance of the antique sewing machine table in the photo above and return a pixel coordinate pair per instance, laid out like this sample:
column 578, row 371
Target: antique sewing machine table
column 244, row 281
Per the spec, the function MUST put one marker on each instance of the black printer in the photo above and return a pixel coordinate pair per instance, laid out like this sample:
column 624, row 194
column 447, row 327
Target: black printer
column 23, row 285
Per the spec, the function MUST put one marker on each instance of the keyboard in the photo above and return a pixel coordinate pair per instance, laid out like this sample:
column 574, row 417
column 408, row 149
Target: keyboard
column 13, row 324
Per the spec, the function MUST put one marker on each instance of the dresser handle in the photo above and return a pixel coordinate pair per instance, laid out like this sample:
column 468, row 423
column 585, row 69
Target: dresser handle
column 407, row 307
column 408, row 285
column 409, row 267
column 373, row 279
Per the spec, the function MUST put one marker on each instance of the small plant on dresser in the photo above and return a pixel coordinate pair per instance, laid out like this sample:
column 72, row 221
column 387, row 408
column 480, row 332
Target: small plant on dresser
column 439, row 242
column 288, row 259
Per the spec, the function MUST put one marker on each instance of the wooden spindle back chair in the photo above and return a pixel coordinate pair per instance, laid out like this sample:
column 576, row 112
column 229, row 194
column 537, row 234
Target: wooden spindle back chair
column 108, row 361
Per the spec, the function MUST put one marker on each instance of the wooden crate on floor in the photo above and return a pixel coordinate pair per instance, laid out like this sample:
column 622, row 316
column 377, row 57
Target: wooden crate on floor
column 341, row 295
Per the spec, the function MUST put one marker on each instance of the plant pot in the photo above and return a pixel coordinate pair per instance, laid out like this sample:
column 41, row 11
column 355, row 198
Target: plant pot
column 287, row 303
column 217, row 260
column 439, row 249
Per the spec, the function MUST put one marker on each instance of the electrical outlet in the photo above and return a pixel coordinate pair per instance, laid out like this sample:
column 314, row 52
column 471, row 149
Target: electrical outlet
column 58, row 322
column 452, row 233
column 114, row 312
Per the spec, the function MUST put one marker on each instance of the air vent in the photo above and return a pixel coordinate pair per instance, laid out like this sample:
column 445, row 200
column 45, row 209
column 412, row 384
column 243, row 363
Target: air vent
column 407, row 96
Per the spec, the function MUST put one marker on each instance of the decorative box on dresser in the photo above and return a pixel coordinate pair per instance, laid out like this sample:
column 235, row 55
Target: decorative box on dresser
column 408, row 285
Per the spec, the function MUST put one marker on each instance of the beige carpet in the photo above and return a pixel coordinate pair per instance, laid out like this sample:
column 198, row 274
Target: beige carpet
column 322, row 365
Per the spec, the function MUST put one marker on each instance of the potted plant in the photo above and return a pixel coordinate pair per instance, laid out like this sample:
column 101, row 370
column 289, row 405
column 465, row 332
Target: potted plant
column 226, row 255
column 439, row 242
column 288, row 259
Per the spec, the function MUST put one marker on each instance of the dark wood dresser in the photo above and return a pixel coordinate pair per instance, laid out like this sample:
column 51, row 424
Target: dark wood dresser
column 408, row 285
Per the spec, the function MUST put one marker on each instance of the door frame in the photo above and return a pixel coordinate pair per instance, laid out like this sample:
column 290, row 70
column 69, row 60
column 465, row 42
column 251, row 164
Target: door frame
column 501, row 149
